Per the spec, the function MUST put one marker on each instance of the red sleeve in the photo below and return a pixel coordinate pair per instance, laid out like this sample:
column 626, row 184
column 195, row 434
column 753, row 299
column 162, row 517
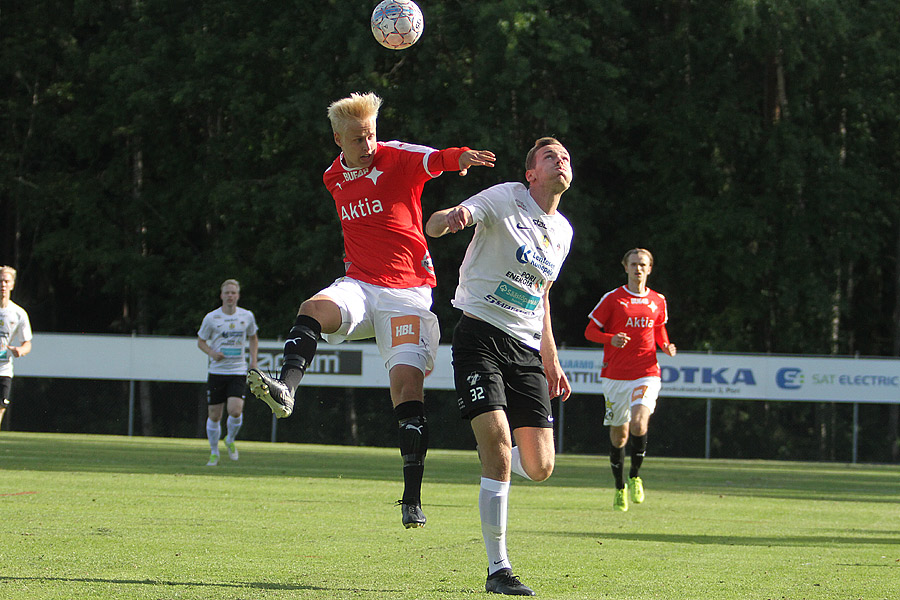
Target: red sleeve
column 662, row 336
column 446, row 160
column 595, row 334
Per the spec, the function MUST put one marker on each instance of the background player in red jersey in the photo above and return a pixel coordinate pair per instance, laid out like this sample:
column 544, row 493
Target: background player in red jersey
column 386, row 290
column 630, row 321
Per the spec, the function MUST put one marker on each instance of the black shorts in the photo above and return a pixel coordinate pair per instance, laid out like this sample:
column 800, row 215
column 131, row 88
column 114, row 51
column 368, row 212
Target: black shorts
column 219, row 388
column 493, row 371
column 5, row 386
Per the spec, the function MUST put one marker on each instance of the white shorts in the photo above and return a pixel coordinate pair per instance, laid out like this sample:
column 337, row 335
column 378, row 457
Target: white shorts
column 622, row 395
column 405, row 330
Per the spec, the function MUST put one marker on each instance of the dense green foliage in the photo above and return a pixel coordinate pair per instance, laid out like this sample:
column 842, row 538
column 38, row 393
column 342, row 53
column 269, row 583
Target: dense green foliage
column 152, row 148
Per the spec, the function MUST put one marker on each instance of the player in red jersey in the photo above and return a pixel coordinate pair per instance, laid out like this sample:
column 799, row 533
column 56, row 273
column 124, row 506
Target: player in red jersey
column 386, row 290
column 630, row 322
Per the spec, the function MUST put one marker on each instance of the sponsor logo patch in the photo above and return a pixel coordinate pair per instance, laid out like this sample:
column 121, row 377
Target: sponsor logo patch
column 638, row 393
column 517, row 297
column 404, row 330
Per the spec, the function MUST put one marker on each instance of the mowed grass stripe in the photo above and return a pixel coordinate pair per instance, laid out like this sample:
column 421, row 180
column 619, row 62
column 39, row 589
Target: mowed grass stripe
column 114, row 517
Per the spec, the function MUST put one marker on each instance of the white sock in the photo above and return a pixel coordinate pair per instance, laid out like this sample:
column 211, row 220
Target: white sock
column 234, row 425
column 516, row 464
column 493, row 499
column 213, row 431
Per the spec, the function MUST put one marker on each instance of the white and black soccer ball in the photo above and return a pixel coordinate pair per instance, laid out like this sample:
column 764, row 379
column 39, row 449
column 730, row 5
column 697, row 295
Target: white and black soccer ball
column 397, row 24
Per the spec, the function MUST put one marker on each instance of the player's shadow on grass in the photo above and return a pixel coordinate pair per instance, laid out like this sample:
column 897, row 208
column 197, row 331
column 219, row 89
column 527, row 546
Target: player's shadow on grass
column 155, row 582
column 736, row 540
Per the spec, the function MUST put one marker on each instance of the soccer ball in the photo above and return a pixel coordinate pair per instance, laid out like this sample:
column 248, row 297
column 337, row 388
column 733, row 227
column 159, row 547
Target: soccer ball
column 397, row 24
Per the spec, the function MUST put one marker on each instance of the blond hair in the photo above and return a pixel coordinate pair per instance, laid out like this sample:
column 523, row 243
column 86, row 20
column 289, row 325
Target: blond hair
column 10, row 270
column 230, row 282
column 636, row 251
column 352, row 109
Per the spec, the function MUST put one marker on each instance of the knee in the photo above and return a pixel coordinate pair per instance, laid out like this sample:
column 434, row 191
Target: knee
column 324, row 311
column 408, row 392
column 639, row 427
column 308, row 308
column 618, row 436
column 407, row 384
column 542, row 471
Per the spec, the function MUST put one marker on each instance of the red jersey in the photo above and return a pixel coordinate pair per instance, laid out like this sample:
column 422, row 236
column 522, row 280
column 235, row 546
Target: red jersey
column 643, row 318
column 380, row 208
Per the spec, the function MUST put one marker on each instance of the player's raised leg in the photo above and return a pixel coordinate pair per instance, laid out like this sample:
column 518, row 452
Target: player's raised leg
column 316, row 314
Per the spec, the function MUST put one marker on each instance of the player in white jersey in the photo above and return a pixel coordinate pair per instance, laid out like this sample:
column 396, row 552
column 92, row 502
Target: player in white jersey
column 505, row 361
column 226, row 335
column 15, row 335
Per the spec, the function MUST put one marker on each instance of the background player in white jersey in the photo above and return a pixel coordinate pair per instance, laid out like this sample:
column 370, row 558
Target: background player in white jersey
column 386, row 290
column 226, row 335
column 505, row 362
column 630, row 321
column 15, row 335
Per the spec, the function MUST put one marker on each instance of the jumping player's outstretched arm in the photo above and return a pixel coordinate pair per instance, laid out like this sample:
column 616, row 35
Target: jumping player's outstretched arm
column 459, row 159
column 475, row 158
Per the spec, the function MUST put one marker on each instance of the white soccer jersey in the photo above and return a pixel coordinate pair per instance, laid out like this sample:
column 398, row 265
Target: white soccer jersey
column 228, row 334
column 517, row 248
column 15, row 330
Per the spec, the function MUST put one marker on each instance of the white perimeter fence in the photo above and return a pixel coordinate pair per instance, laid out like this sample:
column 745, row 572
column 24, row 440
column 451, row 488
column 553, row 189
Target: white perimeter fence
column 358, row 365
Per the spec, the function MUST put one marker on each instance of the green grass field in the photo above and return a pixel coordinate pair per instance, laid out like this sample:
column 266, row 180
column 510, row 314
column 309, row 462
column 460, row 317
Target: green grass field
column 113, row 517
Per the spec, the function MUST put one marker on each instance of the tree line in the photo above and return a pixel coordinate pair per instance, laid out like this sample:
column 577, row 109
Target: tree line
column 153, row 148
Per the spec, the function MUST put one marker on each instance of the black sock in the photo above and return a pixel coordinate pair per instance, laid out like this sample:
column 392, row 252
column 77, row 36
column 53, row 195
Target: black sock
column 638, row 445
column 299, row 350
column 617, row 462
column 413, row 446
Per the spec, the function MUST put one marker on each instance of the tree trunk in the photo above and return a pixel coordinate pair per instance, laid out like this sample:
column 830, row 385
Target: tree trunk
column 137, row 183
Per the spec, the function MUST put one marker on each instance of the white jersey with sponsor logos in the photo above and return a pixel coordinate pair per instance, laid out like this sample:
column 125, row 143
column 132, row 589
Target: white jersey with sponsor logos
column 517, row 248
column 229, row 335
column 15, row 330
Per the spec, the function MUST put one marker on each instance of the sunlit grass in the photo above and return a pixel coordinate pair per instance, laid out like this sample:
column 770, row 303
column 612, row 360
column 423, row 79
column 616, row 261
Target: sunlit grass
column 114, row 517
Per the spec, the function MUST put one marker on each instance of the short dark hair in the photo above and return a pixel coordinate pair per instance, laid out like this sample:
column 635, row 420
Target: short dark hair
column 538, row 144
